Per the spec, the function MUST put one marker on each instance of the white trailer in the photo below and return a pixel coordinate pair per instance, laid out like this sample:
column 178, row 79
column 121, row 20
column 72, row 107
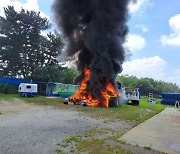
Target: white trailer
column 27, row 89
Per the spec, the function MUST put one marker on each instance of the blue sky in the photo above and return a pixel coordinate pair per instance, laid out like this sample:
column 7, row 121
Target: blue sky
column 153, row 39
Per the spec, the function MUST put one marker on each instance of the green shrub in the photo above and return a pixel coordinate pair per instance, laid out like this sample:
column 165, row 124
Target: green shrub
column 8, row 89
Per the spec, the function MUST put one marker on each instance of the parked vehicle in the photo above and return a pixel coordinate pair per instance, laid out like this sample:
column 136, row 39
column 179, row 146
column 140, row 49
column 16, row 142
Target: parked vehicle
column 132, row 95
column 126, row 95
column 28, row 90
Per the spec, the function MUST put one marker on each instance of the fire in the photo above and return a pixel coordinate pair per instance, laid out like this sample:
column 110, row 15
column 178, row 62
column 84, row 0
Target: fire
column 83, row 95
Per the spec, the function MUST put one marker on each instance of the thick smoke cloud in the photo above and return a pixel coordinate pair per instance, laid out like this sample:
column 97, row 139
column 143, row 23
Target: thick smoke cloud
column 96, row 29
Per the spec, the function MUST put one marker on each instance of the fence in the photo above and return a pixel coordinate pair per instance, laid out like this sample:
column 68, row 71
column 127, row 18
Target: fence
column 12, row 81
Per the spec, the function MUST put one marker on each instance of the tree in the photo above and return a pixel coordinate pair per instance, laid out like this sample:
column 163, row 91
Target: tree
column 67, row 75
column 128, row 81
column 25, row 52
column 48, row 68
column 51, row 46
column 54, row 73
column 147, row 85
column 47, row 73
column 20, row 42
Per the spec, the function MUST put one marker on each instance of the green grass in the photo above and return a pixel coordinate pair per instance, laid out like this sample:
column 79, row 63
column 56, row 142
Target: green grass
column 147, row 147
column 94, row 132
column 60, row 152
column 116, row 136
column 8, row 97
column 69, row 143
column 72, row 139
column 100, row 146
column 40, row 100
column 100, row 141
column 137, row 114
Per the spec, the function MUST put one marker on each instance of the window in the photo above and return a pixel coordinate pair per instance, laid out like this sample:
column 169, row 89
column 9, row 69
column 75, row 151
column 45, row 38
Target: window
column 28, row 87
column 19, row 88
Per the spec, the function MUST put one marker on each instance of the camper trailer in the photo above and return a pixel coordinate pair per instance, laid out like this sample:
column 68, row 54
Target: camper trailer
column 27, row 90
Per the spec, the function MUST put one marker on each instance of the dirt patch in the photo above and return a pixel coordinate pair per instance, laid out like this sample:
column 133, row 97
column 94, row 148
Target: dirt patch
column 15, row 106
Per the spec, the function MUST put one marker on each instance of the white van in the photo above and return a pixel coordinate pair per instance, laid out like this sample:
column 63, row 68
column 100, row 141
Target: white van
column 27, row 89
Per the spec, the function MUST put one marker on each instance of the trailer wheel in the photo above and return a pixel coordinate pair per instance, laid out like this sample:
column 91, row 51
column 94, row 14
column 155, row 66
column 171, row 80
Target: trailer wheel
column 24, row 95
column 135, row 102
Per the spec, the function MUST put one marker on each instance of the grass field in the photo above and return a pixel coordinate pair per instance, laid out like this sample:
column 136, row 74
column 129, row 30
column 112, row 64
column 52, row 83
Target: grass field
column 136, row 114
column 40, row 100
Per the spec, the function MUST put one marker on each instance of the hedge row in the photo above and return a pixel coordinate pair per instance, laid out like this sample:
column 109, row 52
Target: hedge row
column 7, row 89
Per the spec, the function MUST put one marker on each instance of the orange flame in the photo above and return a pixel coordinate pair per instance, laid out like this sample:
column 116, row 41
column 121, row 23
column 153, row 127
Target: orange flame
column 106, row 93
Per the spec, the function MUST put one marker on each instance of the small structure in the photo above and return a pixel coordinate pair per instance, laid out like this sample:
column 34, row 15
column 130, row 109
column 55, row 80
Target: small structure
column 27, row 89
column 64, row 90
column 57, row 89
column 170, row 98
column 177, row 104
column 151, row 99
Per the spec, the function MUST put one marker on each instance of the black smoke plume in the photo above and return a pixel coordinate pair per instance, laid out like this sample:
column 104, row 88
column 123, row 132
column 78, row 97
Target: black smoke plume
column 96, row 29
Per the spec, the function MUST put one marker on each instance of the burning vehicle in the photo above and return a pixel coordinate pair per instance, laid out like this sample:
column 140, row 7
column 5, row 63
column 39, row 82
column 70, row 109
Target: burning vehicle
column 95, row 30
column 125, row 95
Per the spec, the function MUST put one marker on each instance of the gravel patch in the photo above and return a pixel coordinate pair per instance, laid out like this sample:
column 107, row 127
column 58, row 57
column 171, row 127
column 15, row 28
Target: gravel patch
column 31, row 129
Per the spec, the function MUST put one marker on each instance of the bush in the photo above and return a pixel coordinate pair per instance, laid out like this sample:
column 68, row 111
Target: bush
column 8, row 89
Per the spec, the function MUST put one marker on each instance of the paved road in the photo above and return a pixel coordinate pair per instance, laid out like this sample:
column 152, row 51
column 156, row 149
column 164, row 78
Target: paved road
column 161, row 132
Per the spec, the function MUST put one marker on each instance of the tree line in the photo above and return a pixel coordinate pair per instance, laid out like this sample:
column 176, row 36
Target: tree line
column 25, row 52
column 147, row 85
